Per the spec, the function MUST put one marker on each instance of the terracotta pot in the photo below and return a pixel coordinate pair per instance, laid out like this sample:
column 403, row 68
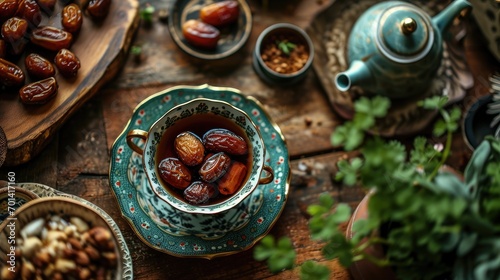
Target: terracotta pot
column 363, row 270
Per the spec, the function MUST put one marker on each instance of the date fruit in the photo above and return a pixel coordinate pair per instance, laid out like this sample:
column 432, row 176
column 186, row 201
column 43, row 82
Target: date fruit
column 199, row 192
column 175, row 173
column 14, row 32
column 214, row 167
column 71, row 18
column 223, row 140
column 8, row 9
column 39, row 67
column 189, row 148
column 30, row 11
column 10, row 74
column 39, row 92
column 232, row 180
column 99, row 9
column 67, row 63
column 51, row 38
column 14, row 29
column 200, row 34
column 3, row 49
column 220, row 13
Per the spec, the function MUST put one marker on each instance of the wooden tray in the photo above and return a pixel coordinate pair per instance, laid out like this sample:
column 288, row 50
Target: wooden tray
column 101, row 48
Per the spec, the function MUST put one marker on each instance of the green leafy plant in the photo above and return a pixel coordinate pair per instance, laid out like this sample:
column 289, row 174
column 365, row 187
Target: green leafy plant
column 285, row 46
column 431, row 223
column 146, row 14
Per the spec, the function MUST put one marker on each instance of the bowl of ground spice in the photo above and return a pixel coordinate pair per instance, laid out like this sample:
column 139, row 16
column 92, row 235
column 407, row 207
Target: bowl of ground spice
column 283, row 54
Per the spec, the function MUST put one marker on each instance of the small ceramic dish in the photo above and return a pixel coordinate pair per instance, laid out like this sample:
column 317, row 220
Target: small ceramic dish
column 277, row 36
column 477, row 122
column 28, row 221
column 233, row 37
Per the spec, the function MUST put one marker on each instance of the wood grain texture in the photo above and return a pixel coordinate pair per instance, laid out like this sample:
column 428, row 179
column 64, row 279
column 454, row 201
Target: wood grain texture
column 101, row 48
column 76, row 161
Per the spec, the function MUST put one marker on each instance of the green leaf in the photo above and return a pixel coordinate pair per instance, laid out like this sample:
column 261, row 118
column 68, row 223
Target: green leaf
column 279, row 256
column 449, row 183
column 380, row 106
column 265, row 248
column 146, row 13
column 483, row 269
column 467, row 243
column 286, row 47
column 280, row 262
column 440, row 128
column 348, row 171
column 474, row 168
column 363, row 121
column 310, row 270
column 326, row 200
column 342, row 213
column 434, row 102
column 316, row 210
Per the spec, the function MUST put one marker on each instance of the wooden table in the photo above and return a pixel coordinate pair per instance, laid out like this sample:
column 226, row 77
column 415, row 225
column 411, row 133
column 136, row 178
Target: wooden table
column 77, row 160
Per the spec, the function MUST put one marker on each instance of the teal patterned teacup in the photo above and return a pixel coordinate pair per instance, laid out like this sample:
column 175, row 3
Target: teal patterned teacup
column 208, row 109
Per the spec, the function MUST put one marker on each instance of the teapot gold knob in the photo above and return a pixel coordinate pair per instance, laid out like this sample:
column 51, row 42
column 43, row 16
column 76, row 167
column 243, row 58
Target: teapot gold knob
column 408, row 26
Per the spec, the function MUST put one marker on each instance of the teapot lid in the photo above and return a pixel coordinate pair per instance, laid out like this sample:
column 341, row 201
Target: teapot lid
column 404, row 34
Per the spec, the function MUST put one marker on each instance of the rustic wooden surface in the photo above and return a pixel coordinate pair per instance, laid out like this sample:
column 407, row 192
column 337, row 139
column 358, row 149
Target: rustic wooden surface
column 101, row 47
column 76, row 161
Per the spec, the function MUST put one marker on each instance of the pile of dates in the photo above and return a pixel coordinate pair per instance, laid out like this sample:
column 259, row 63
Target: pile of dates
column 206, row 167
column 41, row 49
column 204, row 32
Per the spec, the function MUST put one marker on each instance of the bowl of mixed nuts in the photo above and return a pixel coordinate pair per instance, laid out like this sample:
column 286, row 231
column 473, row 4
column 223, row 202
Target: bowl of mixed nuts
column 58, row 238
column 204, row 156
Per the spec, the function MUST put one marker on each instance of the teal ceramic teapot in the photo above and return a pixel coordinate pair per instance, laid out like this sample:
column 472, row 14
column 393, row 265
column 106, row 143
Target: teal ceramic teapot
column 395, row 49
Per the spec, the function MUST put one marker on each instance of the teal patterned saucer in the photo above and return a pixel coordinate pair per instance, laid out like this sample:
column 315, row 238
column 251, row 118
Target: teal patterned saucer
column 222, row 234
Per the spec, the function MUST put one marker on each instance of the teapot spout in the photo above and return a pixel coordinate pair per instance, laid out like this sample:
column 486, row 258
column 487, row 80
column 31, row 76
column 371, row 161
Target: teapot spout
column 358, row 73
column 446, row 16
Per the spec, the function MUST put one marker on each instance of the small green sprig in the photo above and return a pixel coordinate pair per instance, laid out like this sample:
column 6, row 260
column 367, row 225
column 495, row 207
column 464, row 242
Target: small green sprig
column 280, row 255
column 352, row 133
column 286, row 47
column 146, row 14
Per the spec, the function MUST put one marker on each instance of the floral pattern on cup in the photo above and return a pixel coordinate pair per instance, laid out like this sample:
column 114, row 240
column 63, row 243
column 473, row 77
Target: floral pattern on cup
column 176, row 222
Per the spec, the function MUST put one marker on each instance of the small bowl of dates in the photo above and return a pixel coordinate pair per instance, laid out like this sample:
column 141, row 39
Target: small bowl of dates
column 58, row 238
column 210, row 30
column 204, row 156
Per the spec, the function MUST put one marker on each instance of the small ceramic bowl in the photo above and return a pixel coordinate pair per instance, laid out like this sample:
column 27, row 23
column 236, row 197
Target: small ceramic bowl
column 477, row 122
column 30, row 220
column 203, row 114
column 276, row 37
column 233, row 37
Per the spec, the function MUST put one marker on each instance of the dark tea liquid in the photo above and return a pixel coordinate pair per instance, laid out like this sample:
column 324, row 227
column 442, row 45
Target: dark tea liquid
column 199, row 124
